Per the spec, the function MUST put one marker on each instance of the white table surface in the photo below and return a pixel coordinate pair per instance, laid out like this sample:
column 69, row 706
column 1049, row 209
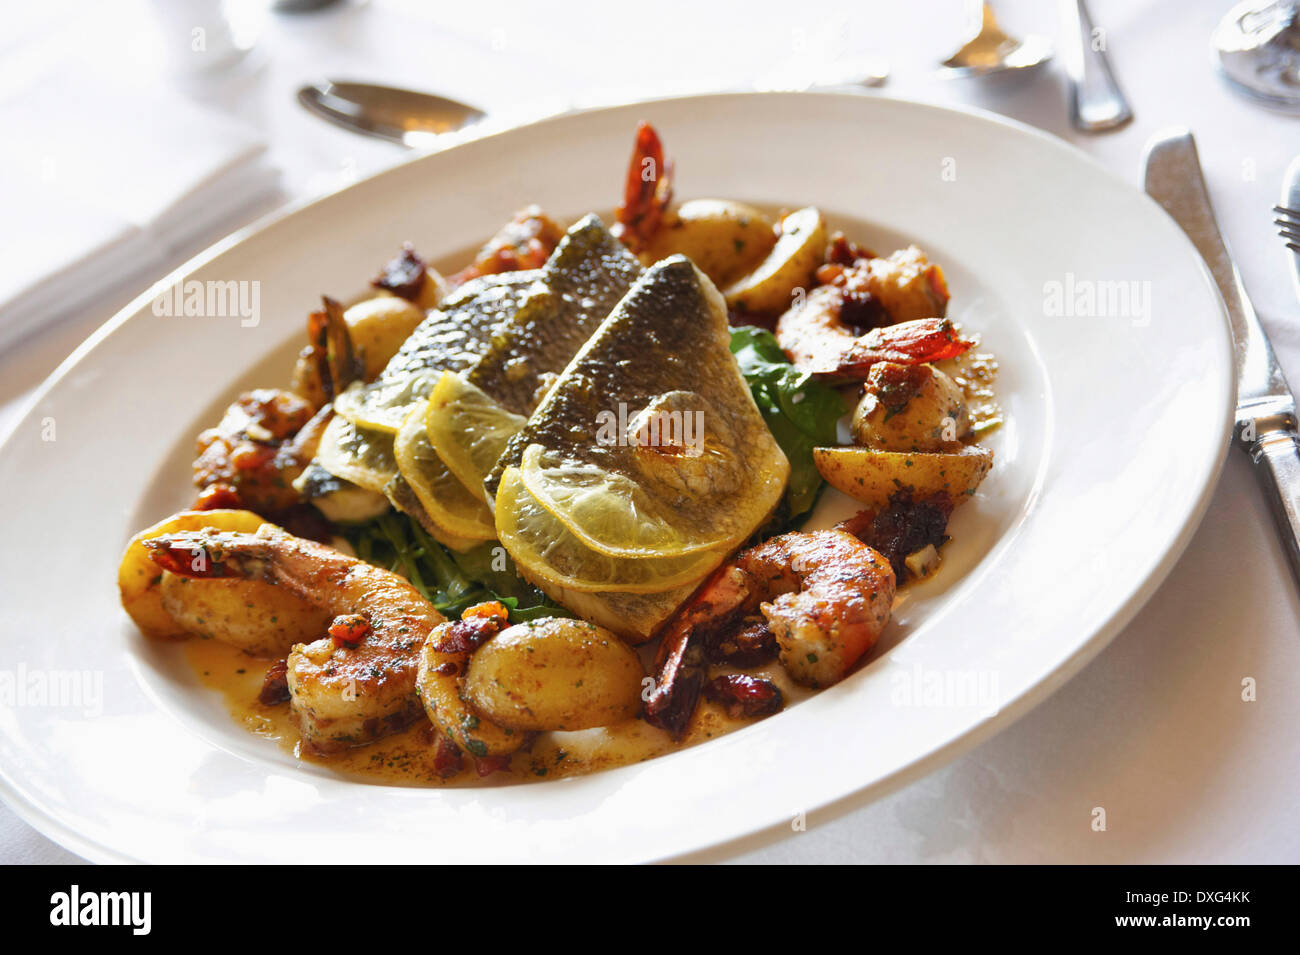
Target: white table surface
column 1155, row 729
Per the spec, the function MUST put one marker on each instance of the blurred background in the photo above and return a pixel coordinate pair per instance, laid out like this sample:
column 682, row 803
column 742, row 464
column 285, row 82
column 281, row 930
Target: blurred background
column 136, row 133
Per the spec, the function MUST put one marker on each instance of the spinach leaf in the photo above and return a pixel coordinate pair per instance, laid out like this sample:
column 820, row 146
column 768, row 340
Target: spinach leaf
column 801, row 412
column 449, row 580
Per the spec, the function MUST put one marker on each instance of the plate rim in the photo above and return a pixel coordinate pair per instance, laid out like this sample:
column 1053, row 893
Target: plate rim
column 70, row 838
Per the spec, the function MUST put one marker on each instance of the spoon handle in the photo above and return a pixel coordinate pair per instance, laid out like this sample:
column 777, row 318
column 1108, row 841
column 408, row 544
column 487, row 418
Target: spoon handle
column 1096, row 103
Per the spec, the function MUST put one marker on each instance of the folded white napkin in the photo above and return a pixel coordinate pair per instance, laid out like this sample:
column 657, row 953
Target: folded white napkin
column 99, row 183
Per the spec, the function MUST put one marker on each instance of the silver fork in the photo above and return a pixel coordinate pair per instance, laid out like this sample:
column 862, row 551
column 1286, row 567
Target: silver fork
column 1289, row 222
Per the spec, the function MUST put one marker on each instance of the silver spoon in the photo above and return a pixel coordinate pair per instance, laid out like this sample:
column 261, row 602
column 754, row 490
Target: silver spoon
column 1258, row 49
column 991, row 50
column 422, row 120
column 1096, row 102
column 397, row 115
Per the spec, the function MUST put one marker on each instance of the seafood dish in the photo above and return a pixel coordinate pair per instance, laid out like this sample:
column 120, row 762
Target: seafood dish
column 551, row 513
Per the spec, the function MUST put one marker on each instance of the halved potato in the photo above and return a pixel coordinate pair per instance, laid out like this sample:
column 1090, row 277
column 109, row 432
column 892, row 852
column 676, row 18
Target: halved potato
column 725, row 239
column 378, row 327
column 790, row 265
column 554, row 674
column 872, row 476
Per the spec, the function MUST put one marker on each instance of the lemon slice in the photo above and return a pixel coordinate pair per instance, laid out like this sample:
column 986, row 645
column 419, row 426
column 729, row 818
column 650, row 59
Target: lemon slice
column 384, row 405
column 549, row 554
column 612, row 514
column 468, row 430
column 447, row 501
column 357, row 454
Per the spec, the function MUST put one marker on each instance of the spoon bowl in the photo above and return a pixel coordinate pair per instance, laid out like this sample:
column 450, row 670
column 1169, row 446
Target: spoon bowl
column 991, row 50
column 386, row 112
column 1257, row 47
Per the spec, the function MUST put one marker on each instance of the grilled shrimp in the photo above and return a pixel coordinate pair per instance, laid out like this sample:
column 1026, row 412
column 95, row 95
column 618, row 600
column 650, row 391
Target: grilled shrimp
column 823, row 597
column 355, row 684
column 902, row 299
column 906, row 285
column 525, row 242
column 816, row 340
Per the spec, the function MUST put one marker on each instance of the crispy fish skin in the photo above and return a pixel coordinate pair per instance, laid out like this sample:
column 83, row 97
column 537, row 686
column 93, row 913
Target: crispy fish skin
column 666, row 345
column 582, row 281
column 452, row 338
column 455, row 333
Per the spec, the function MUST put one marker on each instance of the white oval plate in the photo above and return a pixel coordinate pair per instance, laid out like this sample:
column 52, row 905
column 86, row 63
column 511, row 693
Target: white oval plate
column 1118, row 421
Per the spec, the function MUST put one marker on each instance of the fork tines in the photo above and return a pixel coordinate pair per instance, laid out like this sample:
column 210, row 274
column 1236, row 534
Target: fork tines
column 1289, row 222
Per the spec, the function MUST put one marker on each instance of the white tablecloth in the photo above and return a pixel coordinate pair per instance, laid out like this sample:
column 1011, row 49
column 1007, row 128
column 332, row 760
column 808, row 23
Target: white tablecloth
column 1155, row 729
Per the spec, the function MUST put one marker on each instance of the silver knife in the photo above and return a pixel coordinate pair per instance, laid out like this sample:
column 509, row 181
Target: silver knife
column 1266, row 412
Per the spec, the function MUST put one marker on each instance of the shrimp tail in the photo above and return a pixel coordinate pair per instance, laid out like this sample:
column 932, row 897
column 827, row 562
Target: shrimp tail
column 336, row 361
column 681, row 669
column 647, row 191
column 682, row 661
column 206, row 556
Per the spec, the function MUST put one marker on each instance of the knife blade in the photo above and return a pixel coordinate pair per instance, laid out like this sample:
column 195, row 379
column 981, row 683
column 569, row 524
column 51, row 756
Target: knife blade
column 1266, row 411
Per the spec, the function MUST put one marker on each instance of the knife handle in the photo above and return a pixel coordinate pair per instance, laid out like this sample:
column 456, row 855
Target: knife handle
column 1276, row 456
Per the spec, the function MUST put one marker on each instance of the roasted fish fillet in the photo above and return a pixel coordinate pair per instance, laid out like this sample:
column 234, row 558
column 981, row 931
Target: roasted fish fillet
column 358, row 444
column 471, row 415
column 648, row 446
column 453, row 337
column 582, row 281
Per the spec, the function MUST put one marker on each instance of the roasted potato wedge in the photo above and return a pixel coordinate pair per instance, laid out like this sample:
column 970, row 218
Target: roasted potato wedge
column 139, row 579
column 872, row 476
column 554, row 674
column 256, row 616
column 790, row 265
column 724, row 239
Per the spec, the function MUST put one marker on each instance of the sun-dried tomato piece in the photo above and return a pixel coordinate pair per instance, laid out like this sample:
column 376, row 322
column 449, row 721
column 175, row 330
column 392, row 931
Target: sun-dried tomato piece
column 447, row 759
column 746, row 645
column 349, row 629
column 275, row 687
column 215, row 497
column 744, row 696
column 903, row 528
column 487, row 765
column 403, row 276
column 466, row 636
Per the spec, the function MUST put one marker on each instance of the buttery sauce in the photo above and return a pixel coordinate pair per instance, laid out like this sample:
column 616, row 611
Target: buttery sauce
column 407, row 758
